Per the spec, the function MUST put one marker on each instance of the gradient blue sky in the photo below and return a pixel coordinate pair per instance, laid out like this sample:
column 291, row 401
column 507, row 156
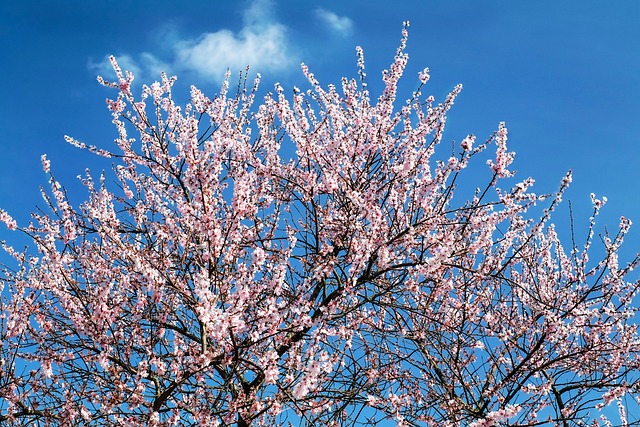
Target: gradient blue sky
column 564, row 75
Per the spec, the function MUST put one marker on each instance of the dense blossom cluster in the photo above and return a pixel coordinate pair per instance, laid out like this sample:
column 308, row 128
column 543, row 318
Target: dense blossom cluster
column 306, row 260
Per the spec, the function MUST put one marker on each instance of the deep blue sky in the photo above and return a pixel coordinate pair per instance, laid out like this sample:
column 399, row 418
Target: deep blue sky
column 564, row 75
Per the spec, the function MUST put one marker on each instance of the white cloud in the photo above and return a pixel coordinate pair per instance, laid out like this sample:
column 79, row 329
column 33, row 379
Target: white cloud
column 261, row 44
column 342, row 25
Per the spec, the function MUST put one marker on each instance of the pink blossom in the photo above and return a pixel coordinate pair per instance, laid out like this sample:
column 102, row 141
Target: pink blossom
column 7, row 220
column 46, row 164
column 424, row 76
column 467, row 143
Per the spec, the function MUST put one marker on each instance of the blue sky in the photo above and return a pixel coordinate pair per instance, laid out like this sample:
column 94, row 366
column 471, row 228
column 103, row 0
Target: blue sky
column 564, row 75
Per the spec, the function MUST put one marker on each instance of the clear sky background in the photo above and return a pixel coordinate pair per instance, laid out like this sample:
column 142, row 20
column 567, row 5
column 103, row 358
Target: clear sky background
column 564, row 75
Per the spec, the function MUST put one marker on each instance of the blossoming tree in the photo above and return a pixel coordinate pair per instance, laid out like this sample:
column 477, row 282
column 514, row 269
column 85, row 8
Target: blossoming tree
column 306, row 259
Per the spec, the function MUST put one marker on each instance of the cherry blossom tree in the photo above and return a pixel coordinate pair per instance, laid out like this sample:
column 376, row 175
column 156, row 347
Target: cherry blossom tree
column 306, row 259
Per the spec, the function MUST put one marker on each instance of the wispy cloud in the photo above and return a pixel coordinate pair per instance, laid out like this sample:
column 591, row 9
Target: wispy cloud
column 261, row 44
column 341, row 25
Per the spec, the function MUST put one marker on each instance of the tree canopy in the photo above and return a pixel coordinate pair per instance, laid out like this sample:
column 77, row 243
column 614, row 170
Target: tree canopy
column 303, row 258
